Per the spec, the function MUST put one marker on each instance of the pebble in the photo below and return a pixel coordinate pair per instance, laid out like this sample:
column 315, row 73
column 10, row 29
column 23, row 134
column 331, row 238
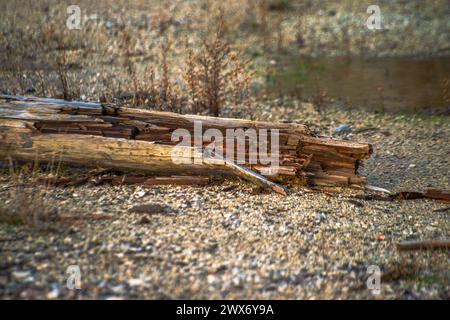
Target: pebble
column 54, row 293
column 140, row 194
column 151, row 208
column 342, row 129
column 21, row 275
column 239, row 245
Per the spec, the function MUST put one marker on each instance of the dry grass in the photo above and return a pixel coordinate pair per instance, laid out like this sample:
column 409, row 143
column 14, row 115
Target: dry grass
column 27, row 206
column 407, row 269
column 155, row 61
column 181, row 56
column 215, row 74
column 28, row 202
column 320, row 100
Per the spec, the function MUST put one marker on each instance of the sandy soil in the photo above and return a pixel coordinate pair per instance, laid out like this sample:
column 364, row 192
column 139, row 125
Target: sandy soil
column 226, row 241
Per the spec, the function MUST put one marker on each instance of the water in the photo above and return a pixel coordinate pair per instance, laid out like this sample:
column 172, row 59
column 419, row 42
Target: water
column 383, row 84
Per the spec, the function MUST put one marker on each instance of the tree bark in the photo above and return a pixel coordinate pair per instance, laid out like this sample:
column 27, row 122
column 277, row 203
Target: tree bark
column 91, row 134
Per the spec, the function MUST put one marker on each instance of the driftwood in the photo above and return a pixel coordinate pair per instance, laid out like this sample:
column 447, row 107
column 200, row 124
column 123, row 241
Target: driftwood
column 423, row 245
column 105, row 136
column 433, row 194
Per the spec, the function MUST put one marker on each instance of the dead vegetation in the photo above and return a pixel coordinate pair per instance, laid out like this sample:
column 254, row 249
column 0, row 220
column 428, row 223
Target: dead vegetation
column 215, row 74
column 27, row 206
column 27, row 202
column 183, row 59
column 211, row 75
column 406, row 268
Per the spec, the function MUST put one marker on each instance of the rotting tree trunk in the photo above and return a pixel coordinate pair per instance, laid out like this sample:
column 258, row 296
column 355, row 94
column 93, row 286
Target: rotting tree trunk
column 91, row 134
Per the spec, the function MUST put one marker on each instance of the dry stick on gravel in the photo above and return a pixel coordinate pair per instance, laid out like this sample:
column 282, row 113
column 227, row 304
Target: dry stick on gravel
column 423, row 245
column 91, row 134
column 442, row 209
column 433, row 194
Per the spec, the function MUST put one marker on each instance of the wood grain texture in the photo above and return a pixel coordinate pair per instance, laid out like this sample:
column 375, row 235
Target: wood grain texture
column 91, row 134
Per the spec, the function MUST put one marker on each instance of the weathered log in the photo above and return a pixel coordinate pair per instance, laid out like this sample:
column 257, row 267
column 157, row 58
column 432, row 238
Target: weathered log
column 91, row 134
column 424, row 245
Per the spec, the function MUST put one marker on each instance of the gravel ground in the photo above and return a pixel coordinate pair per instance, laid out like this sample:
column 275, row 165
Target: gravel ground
column 227, row 241
column 302, row 28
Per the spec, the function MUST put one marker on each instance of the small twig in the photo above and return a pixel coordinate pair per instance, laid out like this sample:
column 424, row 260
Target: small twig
column 365, row 129
column 14, row 186
column 442, row 209
column 439, row 195
column 376, row 189
column 423, row 245
column 253, row 176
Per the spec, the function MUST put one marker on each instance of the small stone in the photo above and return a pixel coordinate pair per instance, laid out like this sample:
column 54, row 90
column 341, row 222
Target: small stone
column 118, row 289
column 140, row 193
column 136, row 282
column 124, row 247
column 53, row 294
column 101, row 211
column 380, row 237
column 114, row 298
column 21, row 275
column 212, row 280
column 144, row 220
column 343, row 129
column 151, row 208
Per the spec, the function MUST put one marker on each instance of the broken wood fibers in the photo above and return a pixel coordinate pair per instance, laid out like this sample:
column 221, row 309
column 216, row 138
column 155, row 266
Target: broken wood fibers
column 91, row 134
